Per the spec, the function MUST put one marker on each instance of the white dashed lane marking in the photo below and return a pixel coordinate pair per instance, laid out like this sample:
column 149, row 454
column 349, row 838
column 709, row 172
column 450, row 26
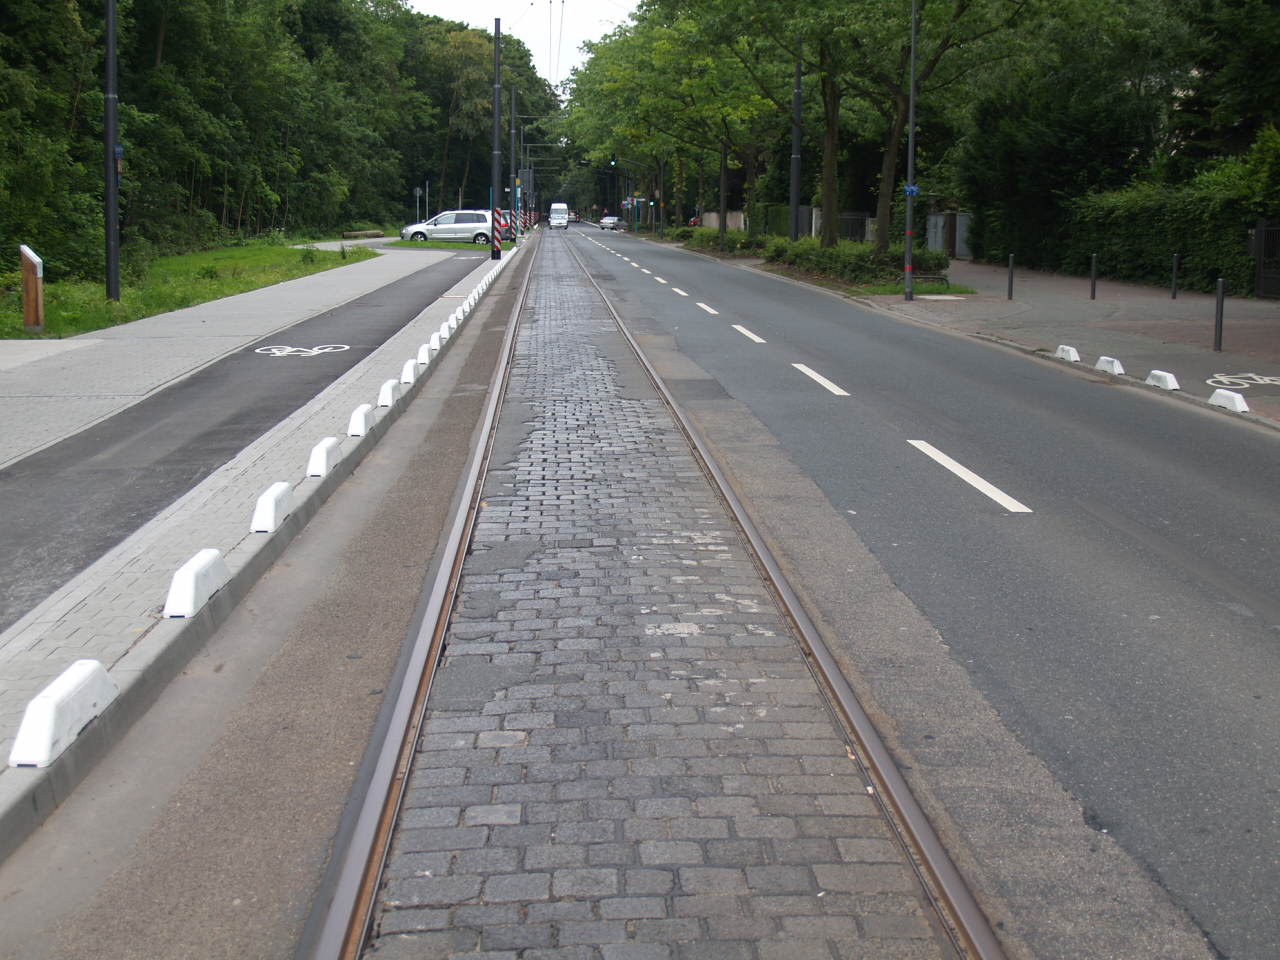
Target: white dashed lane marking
column 971, row 478
column 679, row 291
column 714, row 313
column 820, row 379
column 747, row 333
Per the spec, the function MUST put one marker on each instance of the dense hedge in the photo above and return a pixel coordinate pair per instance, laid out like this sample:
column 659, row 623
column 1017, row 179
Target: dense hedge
column 736, row 241
column 1135, row 233
column 851, row 262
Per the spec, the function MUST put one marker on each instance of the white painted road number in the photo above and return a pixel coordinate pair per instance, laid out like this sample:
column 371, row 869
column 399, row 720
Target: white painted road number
column 282, row 351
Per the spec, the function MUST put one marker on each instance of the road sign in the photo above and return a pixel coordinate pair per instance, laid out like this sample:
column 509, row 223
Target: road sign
column 912, row 189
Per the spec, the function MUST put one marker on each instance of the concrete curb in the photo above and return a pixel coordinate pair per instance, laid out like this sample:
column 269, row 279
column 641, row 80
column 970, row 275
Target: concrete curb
column 29, row 795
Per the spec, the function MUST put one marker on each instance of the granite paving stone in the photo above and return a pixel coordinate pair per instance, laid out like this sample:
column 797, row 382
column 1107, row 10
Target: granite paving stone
column 662, row 779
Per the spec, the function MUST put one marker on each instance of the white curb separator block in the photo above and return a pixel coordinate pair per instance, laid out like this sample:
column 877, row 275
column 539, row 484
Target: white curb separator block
column 1163, row 380
column 1065, row 352
column 444, row 331
column 1230, row 400
column 454, row 321
column 324, row 455
column 409, row 372
column 273, row 506
column 362, row 420
column 424, row 355
column 1110, row 365
column 390, row 393
column 195, row 582
column 55, row 716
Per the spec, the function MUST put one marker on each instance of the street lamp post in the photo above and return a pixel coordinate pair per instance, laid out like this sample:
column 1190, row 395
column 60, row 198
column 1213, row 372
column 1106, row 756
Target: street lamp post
column 111, row 161
column 908, row 286
column 495, row 190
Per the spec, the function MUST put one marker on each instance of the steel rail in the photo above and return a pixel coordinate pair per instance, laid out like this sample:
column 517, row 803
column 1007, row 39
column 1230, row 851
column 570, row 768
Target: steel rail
column 952, row 896
column 348, row 915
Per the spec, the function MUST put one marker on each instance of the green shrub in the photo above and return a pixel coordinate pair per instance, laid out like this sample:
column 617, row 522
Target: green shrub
column 856, row 263
column 1136, row 231
column 735, row 241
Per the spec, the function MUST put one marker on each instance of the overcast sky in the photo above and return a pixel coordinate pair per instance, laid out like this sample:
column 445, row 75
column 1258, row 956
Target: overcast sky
column 553, row 30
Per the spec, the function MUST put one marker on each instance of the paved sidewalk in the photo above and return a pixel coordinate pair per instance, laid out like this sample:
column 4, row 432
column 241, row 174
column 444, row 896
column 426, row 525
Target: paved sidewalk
column 1142, row 327
column 111, row 611
column 626, row 756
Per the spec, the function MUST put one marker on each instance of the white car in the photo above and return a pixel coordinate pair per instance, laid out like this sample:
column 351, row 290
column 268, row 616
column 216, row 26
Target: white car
column 463, row 226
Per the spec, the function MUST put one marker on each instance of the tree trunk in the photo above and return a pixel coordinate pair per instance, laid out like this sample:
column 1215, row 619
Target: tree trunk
column 678, row 186
column 724, row 191
column 164, row 23
column 888, row 173
column 830, row 149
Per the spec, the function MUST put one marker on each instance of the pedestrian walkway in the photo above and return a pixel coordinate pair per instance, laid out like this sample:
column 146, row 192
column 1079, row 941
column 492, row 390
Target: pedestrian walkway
column 626, row 756
column 1144, row 328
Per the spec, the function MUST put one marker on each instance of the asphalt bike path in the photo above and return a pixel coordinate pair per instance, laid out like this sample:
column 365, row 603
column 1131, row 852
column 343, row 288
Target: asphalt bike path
column 67, row 504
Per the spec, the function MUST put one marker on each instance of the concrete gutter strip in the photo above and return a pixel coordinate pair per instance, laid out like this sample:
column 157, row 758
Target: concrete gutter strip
column 28, row 795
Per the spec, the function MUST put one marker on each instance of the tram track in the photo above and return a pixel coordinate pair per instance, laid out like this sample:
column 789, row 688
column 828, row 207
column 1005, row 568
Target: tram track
column 343, row 922
column 950, row 894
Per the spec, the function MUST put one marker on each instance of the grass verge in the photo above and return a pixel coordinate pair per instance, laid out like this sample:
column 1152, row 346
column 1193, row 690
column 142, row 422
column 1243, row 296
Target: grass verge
column 170, row 283
column 864, row 290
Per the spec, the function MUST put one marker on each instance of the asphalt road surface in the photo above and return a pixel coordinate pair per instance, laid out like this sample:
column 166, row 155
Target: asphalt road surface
column 1100, row 560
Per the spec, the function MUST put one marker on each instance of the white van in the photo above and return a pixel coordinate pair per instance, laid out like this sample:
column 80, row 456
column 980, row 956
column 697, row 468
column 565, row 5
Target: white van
column 559, row 216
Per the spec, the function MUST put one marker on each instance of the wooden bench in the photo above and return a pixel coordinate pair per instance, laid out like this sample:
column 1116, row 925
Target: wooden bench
column 362, row 234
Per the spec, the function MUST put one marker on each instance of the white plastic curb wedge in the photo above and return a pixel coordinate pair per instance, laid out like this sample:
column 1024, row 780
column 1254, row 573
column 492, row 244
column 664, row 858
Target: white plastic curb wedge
column 1163, row 379
column 55, row 716
column 361, row 422
column 195, row 582
column 390, row 393
column 1110, row 365
column 1065, row 352
column 323, row 457
column 1229, row 399
column 273, row 506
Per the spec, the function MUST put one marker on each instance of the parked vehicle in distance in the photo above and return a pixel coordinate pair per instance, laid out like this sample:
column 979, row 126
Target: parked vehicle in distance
column 695, row 221
column 574, row 217
column 559, row 216
column 612, row 223
column 462, row 226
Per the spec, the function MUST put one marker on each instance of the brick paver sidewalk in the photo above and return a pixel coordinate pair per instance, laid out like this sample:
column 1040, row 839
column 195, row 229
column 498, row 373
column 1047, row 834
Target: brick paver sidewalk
column 626, row 756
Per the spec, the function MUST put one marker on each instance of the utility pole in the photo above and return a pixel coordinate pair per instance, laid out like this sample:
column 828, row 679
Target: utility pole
column 495, row 190
column 112, row 159
column 795, row 157
column 908, row 285
column 512, row 204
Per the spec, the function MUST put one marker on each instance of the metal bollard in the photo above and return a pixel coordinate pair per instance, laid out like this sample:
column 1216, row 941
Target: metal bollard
column 1011, row 276
column 1177, row 259
column 1093, row 276
column 1217, row 316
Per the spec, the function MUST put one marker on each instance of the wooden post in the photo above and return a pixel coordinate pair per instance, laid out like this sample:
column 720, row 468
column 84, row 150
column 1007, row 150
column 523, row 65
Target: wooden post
column 32, row 290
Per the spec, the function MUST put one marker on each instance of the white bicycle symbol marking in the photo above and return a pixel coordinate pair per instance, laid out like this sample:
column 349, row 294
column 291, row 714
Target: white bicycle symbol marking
column 1241, row 380
column 283, row 351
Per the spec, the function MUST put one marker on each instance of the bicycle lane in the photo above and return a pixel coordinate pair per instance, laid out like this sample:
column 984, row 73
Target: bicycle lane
column 66, row 505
